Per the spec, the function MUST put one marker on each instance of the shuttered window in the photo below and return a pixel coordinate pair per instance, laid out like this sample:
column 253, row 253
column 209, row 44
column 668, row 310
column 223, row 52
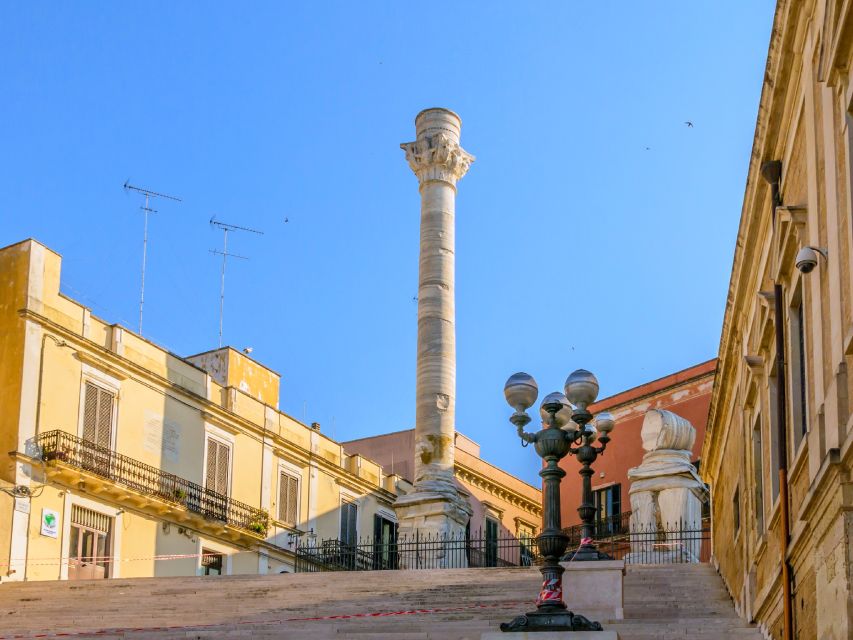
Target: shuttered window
column 98, row 407
column 288, row 496
column 349, row 519
column 216, row 478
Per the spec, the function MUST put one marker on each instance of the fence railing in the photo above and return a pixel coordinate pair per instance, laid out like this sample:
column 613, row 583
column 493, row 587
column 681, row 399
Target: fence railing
column 668, row 543
column 676, row 543
column 418, row 552
column 64, row 447
column 603, row 528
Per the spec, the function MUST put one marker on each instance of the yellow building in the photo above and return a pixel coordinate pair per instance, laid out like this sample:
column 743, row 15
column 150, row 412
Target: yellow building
column 778, row 450
column 119, row 458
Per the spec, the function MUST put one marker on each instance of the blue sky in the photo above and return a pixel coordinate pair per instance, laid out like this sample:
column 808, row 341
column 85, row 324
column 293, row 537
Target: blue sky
column 594, row 230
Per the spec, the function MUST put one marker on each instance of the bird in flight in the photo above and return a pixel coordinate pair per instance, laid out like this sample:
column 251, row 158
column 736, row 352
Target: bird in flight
column 648, row 148
column 286, row 220
column 414, row 299
column 689, row 124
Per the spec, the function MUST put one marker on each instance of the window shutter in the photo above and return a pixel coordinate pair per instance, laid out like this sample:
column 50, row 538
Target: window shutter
column 288, row 496
column 222, row 470
column 90, row 412
column 216, row 475
column 349, row 516
column 105, row 418
column 98, row 407
column 210, row 472
column 292, row 496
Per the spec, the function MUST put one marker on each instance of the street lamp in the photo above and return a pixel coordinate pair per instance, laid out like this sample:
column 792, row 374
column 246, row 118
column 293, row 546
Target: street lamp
column 566, row 429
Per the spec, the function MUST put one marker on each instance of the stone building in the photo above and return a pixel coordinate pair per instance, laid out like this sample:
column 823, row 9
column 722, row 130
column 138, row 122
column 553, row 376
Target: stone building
column 686, row 393
column 501, row 504
column 119, row 458
column 778, row 449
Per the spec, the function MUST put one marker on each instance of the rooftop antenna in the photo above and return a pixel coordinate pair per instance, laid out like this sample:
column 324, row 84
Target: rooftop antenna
column 225, row 255
column 146, row 210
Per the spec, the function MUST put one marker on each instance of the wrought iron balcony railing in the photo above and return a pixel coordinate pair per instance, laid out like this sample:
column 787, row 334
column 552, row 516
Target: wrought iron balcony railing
column 144, row 479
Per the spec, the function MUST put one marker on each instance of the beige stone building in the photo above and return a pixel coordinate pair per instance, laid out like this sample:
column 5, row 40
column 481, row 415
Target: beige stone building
column 502, row 505
column 119, row 458
column 778, row 449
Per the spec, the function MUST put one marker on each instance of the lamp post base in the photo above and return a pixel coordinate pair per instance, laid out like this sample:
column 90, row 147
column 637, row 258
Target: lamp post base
column 584, row 553
column 550, row 619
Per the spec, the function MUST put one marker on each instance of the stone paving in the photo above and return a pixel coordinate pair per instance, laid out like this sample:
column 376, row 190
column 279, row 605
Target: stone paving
column 661, row 603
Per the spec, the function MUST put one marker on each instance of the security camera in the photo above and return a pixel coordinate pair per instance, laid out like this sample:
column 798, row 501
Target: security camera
column 806, row 259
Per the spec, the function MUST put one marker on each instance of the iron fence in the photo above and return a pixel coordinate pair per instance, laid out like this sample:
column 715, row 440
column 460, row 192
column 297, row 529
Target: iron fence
column 418, row 552
column 676, row 543
column 66, row 448
column 667, row 543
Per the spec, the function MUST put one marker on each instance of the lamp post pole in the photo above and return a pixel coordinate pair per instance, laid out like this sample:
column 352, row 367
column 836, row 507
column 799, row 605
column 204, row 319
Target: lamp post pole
column 566, row 429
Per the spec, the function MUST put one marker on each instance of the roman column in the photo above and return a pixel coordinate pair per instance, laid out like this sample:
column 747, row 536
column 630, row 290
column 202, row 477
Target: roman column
column 435, row 506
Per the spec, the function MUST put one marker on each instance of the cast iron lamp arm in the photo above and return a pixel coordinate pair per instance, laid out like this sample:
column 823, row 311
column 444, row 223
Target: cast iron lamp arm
column 520, row 419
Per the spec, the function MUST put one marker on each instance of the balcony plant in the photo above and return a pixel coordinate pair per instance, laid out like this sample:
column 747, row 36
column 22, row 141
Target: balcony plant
column 260, row 523
column 61, row 455
column 180, row 496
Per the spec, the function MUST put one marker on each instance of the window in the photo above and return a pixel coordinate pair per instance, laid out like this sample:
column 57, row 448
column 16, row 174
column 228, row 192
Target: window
column 758, row 473
column 774, row 436
column 491, row 547
column 385, row 543
column 98, row 410
column 89, row 544
column 736, row 510
column 799, row 414
column 216, row 478
column 211, row 563
column 288, row 498
column 608, row 507
column 349, row 523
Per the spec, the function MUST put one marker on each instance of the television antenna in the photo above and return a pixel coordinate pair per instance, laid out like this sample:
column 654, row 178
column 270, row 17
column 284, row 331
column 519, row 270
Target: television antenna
column 225, row 255
column 146, row 209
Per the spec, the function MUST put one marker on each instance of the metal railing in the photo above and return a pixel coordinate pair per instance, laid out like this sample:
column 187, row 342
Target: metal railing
column 669, row 543
column 603, row 528
column 418, row 552
column 61, row 446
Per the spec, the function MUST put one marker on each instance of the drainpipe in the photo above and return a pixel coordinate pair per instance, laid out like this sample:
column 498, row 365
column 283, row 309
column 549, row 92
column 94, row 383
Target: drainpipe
column 772, row 172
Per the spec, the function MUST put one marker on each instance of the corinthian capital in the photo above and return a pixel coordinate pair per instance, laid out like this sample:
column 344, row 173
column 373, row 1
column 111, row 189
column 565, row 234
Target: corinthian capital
column 437, row 157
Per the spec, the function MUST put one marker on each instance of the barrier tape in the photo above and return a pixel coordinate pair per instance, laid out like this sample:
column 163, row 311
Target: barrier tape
column 378, row 614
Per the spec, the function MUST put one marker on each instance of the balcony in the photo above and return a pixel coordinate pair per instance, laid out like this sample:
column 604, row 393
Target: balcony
column 71, row 461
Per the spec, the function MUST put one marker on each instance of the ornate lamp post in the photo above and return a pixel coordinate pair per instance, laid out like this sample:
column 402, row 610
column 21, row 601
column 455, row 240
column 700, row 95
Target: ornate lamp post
column 566, row 429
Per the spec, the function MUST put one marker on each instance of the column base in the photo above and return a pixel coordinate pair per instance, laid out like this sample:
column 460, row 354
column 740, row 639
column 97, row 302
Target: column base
column 437, row 519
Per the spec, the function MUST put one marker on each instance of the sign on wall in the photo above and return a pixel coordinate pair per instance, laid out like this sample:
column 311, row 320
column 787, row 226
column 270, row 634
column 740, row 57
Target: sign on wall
column 50, row 523
column 162, row 436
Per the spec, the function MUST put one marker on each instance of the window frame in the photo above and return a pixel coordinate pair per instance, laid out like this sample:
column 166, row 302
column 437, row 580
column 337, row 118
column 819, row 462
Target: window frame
column 285, row 471
column 103, row 382
column 229, row 445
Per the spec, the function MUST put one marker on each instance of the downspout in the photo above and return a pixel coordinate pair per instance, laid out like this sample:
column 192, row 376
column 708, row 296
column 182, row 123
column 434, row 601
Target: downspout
column 772, row 172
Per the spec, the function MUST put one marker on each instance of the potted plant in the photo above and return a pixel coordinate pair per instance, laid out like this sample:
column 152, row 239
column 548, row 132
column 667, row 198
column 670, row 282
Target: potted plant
column 260, row 524
column 180, row 495
column 56, row 454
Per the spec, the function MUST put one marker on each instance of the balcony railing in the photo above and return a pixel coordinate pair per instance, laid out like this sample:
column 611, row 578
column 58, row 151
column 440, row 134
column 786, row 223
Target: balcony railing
column 68, row 449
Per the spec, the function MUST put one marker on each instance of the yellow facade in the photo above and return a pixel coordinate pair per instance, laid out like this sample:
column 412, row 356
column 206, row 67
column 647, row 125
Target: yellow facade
column 804, row 124
column 194, row 455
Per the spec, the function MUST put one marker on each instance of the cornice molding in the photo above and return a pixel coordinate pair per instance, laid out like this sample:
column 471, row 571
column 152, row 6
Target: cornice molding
column 500, row 491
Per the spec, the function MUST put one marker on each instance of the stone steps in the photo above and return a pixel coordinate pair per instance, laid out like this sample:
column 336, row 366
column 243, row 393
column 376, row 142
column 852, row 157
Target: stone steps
column 661, row 603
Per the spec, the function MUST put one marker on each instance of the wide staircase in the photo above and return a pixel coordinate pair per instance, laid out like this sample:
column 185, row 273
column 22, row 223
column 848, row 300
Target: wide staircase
column 666, row 602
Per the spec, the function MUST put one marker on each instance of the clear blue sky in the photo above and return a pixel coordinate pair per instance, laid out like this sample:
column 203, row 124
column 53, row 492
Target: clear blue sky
column 576, row 245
